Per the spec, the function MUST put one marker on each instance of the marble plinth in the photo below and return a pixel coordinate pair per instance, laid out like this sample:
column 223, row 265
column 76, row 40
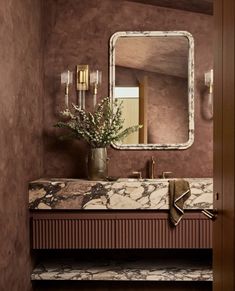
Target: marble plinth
column 121, row 194
column 140, row 270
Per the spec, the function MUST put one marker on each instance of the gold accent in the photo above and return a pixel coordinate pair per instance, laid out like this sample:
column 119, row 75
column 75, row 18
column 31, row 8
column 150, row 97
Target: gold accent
column 67, row 89
column 211, row 214
column 82, row 79
column 95, row 89
column 211, row 88
column 152, row 168
column 166, row 175
column 137, row 174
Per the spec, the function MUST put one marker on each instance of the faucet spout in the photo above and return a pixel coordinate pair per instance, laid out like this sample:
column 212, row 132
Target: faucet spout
column 138, row 174
column 152, row 168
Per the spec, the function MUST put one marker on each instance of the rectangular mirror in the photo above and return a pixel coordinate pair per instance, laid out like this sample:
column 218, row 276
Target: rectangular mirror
column 152, row 74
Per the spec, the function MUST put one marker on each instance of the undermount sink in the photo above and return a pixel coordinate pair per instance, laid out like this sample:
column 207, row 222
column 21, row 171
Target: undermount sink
column 143, row 180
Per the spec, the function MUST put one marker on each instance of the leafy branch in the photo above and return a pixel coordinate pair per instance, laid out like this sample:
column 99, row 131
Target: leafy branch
column 98, row 129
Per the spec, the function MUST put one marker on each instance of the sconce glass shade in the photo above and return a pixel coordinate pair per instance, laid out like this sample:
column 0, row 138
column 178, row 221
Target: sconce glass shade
column 208, row 106
column 209, row 78
column 95, row 77
column 95, row 81
column 208, row 98
column 67, row 77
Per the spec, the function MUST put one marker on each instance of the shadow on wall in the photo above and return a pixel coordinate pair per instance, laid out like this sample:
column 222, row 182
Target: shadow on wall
column 73, row 152
column 120, row 286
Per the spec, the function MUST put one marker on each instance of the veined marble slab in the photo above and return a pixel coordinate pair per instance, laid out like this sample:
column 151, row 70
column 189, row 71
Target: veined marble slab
column 143, row 194
column 155, row 270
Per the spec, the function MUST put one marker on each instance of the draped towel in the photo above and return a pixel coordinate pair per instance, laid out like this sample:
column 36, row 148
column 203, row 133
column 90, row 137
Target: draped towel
column 179, row 191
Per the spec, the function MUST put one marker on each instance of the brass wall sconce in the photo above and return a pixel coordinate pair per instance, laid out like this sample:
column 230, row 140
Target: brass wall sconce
column 84, row 81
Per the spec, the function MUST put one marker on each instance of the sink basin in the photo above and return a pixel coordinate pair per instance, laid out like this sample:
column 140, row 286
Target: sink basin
column 143, row 180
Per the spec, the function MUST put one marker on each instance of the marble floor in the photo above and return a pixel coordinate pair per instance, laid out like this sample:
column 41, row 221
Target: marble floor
column 123, row 270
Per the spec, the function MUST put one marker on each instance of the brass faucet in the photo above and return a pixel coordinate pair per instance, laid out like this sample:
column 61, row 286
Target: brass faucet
column 137, row 174
column 152, row 168
column 166, row 175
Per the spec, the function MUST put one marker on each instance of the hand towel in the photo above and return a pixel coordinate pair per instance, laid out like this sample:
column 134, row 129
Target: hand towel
column 179, row 191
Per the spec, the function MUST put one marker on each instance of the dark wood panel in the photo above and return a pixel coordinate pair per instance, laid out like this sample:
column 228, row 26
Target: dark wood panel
column 228, row 112
column 218, row 149
column 199, row 6
column 224, row 166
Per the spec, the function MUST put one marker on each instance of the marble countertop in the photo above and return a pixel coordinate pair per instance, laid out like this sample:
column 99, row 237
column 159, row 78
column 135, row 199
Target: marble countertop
column 121, row 194
column 128, row 270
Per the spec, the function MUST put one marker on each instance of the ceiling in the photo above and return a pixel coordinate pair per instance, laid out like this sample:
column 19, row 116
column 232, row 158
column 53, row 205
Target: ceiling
column 199, row 6
column 163, row 55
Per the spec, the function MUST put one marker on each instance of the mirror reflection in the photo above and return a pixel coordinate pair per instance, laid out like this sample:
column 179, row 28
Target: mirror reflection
column 152, row 75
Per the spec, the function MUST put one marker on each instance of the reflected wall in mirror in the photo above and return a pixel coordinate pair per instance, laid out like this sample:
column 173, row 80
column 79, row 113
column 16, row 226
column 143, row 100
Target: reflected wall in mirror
column 152, row 74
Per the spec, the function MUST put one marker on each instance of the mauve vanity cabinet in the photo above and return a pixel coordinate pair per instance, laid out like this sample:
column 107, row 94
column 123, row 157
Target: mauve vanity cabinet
column 117, row 230
column 63, row 217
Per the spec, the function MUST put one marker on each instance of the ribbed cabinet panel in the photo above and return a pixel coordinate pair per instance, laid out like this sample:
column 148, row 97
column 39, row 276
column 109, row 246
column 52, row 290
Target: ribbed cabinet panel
column 115, row 232
column 73, row 233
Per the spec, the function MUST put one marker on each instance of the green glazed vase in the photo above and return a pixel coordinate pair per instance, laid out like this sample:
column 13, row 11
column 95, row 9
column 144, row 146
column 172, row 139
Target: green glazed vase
column 97, row 164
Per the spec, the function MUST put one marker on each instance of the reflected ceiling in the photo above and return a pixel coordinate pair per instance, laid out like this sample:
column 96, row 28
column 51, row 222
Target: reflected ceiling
column 163, row 55
column 200, row 6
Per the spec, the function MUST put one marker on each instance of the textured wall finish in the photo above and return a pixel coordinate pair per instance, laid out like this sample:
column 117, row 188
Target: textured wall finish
column 78, row 32
column 167, row 110
column 20, row 134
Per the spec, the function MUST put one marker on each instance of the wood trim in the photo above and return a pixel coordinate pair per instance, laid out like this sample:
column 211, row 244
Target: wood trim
column 218, row 146
column 228, row 268
column 143, row 110
column 224, row 132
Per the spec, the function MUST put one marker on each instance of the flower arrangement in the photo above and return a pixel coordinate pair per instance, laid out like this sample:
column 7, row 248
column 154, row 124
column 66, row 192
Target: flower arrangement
column 98, row 129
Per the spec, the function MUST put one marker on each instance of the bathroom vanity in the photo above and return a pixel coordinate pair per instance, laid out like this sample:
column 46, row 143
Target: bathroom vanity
column 115, row 217
column 125, row 214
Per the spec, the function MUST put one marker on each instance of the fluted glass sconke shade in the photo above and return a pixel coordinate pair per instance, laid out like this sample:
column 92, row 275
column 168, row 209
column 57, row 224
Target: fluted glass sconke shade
column 95, row 81
column 208, row 98
column 66, row 79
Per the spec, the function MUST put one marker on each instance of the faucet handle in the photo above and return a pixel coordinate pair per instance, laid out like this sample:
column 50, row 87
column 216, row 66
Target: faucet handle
column 138, row 174
column 166, row 174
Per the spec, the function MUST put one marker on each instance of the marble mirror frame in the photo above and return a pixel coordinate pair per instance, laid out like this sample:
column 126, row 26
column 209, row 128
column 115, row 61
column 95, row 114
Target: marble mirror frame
column 165, row 146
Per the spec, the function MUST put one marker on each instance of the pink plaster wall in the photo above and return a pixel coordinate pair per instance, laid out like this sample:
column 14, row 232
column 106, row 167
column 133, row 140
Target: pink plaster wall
column 20, row 134
column 78, row 32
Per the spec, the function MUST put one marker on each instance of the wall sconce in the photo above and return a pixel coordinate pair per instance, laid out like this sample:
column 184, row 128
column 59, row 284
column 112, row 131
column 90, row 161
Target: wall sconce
column 67, row 79
column 209, row 96
column 84, row 81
